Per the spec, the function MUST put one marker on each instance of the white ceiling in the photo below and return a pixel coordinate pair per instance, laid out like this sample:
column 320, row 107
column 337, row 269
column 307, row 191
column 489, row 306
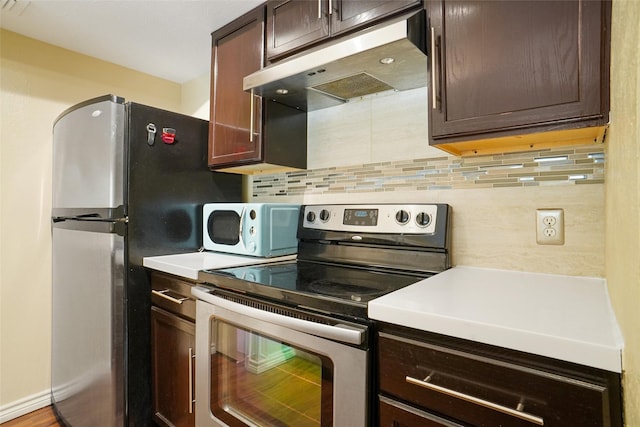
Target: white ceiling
column 170, row 39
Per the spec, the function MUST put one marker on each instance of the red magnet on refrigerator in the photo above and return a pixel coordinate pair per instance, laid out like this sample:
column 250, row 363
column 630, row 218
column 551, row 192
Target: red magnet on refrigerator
column 168, row 135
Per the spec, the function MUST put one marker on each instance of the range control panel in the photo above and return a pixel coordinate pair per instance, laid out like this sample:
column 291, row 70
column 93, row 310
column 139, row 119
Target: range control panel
column 384, row 218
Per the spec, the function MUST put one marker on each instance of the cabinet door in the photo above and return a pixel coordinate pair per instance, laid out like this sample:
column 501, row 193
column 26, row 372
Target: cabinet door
column 235, row 135
column 349, row 14
column 173, row 344
column 500, row 65
column 293, row 24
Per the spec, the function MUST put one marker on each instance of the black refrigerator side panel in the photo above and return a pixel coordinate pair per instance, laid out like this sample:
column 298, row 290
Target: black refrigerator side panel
column 169, row 183
column 167, row 186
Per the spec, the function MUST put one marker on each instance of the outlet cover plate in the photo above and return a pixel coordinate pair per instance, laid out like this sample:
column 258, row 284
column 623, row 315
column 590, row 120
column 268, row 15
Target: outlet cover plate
column 550, row 226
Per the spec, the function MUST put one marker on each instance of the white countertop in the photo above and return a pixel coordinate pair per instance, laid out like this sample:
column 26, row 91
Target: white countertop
column 564, row 317
column 187, row 265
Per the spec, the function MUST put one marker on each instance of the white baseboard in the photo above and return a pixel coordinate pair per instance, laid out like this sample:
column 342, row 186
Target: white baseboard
column 24, row 406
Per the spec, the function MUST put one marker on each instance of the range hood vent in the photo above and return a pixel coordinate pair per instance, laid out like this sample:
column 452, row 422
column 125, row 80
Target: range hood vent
column 390, row 56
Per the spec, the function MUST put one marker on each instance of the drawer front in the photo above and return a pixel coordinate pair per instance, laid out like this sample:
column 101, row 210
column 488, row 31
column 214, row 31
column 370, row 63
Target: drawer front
column 173, row 294
column 486, row 392
column 396, row 414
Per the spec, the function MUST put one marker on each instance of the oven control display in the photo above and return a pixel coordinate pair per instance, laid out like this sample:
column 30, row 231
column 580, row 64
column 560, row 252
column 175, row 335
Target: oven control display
column 367, row 217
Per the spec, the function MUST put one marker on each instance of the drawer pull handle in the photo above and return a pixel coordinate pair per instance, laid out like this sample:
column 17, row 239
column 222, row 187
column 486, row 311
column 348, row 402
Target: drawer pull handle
column 518, row 413
column 163, row 294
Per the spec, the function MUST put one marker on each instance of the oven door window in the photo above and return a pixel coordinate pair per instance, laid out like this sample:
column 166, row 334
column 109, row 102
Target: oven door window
column 224, row 227
column 258, row 380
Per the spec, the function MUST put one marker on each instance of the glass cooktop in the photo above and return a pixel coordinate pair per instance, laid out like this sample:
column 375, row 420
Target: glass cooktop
column 325, row 287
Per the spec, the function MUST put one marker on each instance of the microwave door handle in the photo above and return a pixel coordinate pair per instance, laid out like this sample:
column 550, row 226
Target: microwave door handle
column 241, row 228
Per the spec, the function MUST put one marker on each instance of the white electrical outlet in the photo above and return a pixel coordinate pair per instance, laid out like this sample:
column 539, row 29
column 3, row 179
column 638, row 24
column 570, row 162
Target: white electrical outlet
column 550, row 226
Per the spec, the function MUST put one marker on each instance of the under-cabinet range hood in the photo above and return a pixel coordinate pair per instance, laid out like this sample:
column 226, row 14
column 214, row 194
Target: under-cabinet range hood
column 389, row 56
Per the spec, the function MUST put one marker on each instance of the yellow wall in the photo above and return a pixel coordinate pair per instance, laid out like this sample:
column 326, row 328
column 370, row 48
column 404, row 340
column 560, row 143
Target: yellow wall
column 37, row 82
column 623, row 194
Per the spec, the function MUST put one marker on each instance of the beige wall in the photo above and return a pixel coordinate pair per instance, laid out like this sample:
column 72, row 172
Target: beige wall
column 623, row 194
column 195, row 97
column 37, row 82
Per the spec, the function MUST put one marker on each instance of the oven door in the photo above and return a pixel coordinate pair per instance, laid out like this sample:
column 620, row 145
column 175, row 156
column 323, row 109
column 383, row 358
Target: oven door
column 257, row 368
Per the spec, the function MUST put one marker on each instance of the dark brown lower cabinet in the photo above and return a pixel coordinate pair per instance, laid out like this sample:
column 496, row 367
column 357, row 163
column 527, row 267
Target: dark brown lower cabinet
column 173, row 341
column 430, row 380
column 173, row 351
column 396, row 414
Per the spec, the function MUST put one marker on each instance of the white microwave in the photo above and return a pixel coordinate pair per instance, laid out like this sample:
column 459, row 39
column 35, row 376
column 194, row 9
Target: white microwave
column 256, row 229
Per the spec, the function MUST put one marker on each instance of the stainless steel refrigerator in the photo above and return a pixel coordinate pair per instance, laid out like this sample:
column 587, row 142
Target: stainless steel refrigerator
column 128, row 181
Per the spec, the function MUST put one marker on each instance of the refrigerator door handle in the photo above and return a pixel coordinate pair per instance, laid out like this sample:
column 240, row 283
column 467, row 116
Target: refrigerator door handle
column 88, row 216
column 90, row 213
column 116, row 225
column 93, row 218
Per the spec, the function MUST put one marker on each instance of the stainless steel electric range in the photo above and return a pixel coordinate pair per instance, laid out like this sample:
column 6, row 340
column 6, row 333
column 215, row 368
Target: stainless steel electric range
column 287, row 343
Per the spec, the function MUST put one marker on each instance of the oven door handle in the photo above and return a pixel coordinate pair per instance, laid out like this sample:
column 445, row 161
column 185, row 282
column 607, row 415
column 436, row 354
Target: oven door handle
column 343, row 333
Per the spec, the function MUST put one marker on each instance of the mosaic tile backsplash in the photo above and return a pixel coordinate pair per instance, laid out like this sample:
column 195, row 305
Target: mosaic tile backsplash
column 561, row 166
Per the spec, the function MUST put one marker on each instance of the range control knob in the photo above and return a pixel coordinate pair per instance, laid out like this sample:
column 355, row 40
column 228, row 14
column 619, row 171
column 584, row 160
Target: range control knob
column 402, row 216
column 324, row 215
column 423, row 219
column 311, row 216
column 252, row 214
column 251, row 246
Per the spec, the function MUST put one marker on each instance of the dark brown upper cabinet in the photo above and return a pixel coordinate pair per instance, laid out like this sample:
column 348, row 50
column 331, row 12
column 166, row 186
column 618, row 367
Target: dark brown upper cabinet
column 295, row 24
column 517, row 75
column 248, row 134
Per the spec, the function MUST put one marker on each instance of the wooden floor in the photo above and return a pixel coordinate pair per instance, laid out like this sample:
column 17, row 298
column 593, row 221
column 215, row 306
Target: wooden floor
column 41, row 418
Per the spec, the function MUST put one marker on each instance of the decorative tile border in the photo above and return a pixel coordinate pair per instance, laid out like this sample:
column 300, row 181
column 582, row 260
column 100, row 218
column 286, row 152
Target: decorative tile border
column 561, row 166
